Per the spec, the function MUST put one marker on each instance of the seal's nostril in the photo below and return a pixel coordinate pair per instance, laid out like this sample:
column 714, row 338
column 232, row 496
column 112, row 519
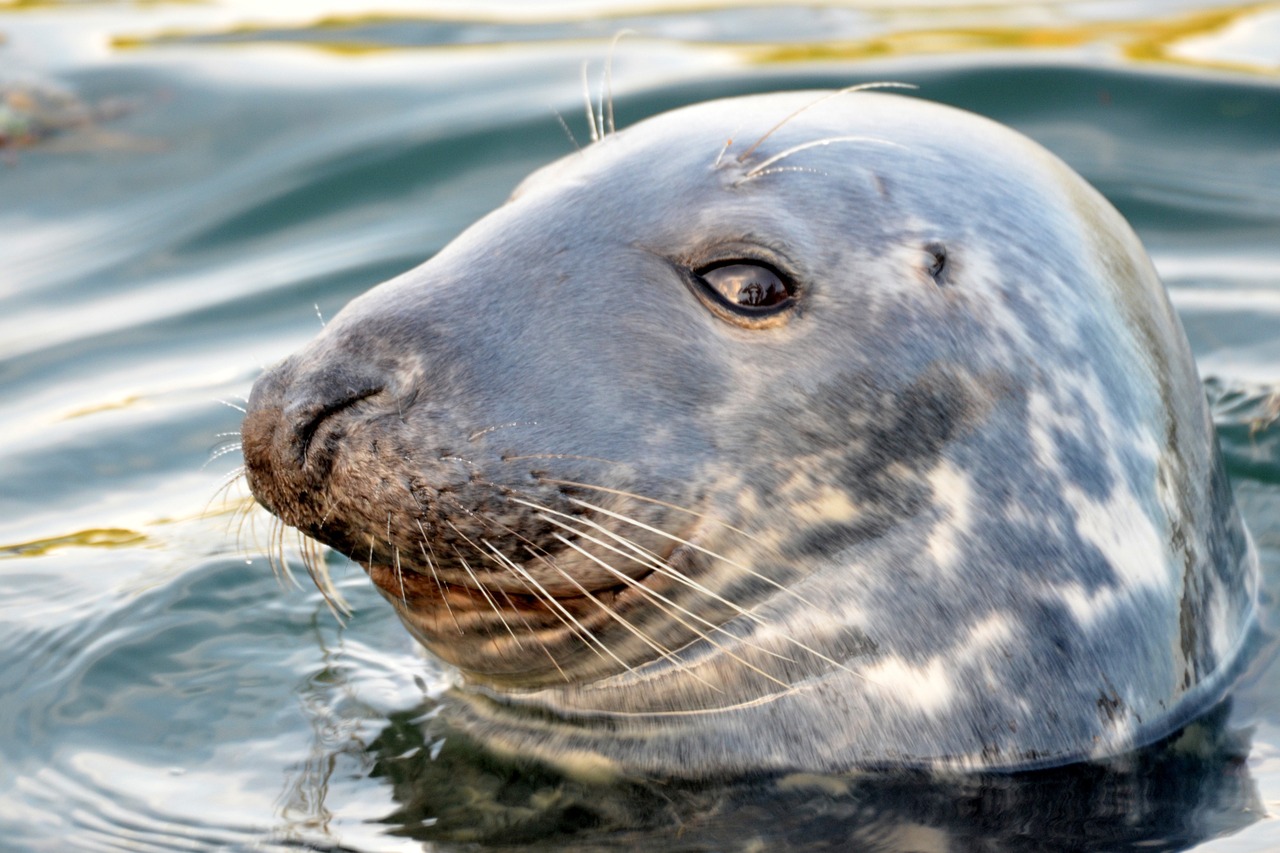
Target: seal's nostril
column 306, row 416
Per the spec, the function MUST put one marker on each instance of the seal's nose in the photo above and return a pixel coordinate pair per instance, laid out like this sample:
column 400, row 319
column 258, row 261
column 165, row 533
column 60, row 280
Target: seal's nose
column 287, row 409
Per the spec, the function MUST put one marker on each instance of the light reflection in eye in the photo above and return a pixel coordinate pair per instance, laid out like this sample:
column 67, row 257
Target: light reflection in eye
column 750, row 286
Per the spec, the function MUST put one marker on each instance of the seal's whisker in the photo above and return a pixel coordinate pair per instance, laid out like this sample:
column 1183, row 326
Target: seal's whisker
column 586, row 97
column 539, row 594
column 667, row 569
column 234, row 474
column 507, row 563
column 240, row 507
column 565, row 614
column 277, row 551
column 626, row 494
column 641, row 555
column 689, row 544
column 330, row 503
column 626, row 623
column 529, row 629
column 860, row 87
column 662, row 650
column 724, row 149
column 479, row 587
column 659, row 566
column 657, row 596
column 501, row 562
column 242, row 514
column 539, row 554
column 424, row 545
column 656, row 566
column 525, row 456
column 270, row 548
column 404, row 599
column 253, row 534
column 600, row 104
column 318, row 570
column 760, row 168
column 608, row 79
column 472, row 589
column 493, row 602
column 228, row 480
column 220, row 452
column 655, row 562
column 396, row 560
column 306, row 554
column 244, row 505
column 237, row 475
column 241, row 409
column 709, row 710
column 778, row 169
column 275, row 554
column 565, row 127
column 496, row 427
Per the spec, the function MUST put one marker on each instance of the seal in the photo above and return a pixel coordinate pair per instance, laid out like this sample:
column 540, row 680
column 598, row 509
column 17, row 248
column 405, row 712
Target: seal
column 797, row 432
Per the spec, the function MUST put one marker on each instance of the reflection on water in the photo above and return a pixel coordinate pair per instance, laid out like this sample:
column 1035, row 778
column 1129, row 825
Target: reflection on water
column 1188, row 788
column 1230, row 37
column 184, row 187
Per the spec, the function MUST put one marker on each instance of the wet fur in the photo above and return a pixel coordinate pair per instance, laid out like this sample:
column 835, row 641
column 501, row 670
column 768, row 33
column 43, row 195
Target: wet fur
column 971, row 516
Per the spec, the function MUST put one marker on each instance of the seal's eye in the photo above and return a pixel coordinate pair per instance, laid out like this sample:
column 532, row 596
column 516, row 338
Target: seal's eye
column 746, row 287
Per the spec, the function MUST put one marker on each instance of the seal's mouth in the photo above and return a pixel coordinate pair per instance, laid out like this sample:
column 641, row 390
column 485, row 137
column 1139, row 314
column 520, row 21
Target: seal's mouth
column 506, row 628
column 498, row 597
column 520, row 586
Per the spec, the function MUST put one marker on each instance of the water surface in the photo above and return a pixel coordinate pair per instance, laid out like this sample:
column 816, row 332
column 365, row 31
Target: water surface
column 187, row 190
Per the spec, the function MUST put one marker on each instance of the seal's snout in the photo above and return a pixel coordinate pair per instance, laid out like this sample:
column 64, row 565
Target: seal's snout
column 289, row 430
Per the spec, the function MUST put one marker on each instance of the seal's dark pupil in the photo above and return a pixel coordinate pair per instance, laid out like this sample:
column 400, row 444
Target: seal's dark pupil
column 747, row 285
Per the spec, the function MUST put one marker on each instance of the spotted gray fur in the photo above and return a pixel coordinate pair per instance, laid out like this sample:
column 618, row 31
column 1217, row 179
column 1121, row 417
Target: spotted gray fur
column 972, row 518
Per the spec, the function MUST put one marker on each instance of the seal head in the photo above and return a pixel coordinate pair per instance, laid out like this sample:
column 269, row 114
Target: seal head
column 786, row 432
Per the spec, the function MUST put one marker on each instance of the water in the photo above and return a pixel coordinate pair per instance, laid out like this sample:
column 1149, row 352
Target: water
column 194, row 186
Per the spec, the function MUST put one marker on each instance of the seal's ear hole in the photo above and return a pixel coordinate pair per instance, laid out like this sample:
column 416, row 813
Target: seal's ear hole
column 936, row 261
column 746, row 287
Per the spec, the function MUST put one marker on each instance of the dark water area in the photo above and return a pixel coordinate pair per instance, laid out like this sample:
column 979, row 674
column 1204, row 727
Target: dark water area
column 188, row 190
